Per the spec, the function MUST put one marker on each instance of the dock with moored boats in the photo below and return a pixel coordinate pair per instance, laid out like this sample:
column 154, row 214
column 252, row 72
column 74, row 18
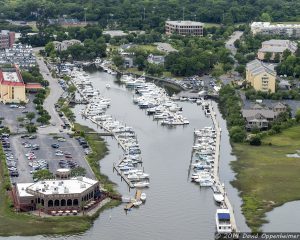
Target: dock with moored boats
column 216, row 170
column 205, row 164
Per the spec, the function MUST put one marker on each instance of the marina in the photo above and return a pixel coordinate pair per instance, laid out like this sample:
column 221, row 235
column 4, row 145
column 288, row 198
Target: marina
column 173, row 203
column 95, row 111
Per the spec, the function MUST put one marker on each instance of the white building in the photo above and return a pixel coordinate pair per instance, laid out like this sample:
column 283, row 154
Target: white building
column 267, row 28
column 184, row 28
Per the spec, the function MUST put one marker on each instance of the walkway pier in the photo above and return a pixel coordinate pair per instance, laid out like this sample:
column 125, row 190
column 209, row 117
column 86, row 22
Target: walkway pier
column 216, row 169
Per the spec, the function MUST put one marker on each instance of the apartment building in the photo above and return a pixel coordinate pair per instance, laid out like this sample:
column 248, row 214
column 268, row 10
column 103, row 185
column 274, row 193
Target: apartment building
column 260, row 76
column 7, row 39
column 267, row 28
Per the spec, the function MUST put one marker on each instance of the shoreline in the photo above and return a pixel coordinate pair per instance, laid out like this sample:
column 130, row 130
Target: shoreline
column 13, row 223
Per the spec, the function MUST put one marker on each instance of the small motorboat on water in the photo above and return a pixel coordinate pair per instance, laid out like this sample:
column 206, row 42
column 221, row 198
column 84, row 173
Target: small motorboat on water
column 143, row 197
column 137, row 203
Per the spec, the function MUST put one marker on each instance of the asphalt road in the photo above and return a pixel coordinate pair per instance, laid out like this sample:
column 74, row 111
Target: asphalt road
column 230, row 43
column 55, row 93
column 46, row 152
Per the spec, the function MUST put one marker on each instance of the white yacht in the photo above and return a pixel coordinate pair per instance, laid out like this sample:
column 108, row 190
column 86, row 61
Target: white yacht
column 223, row 223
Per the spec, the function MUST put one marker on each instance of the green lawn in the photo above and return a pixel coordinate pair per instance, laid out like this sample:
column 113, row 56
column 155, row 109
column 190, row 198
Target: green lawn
column 266, row 178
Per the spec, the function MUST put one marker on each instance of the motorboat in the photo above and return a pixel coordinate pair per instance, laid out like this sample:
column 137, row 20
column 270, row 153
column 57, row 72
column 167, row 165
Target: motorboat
column 223, row 223
column 137, row 203
column 218, row 196
column 206, row 183
column 143, row 197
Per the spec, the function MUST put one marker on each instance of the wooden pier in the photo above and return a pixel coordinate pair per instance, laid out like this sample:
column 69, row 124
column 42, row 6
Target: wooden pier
column 137, row 198
column 123, row 177
column 216, row 169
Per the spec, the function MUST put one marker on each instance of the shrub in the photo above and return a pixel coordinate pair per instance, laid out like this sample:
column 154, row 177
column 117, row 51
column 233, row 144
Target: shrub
column 255, row 141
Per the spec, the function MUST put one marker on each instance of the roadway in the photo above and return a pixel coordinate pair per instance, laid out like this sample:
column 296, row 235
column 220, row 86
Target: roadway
column 55, row 93
column 230, row 43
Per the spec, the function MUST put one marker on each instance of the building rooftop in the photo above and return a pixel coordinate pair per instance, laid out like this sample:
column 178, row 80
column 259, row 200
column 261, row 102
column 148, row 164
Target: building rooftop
column 67, row 186
column 11, row 76
column 258, row 67
column 21, row 187
column 277, row 45
column 185, row 23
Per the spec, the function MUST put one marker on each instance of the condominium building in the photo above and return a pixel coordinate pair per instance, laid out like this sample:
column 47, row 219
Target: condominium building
column 260, row 76
column 275, row 46
column 184, row 28
column 7, row 39
column 12, row 87
column 267, row 28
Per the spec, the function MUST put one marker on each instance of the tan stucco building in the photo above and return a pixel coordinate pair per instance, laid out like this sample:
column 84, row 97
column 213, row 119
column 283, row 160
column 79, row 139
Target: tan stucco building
column 12, row 87
column 276, row 46
column 260, row 76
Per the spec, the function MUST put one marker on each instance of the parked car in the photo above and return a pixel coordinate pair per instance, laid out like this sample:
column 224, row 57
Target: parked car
column 55, row 145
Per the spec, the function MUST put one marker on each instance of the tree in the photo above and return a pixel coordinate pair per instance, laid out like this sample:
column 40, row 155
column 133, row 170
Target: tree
column 255, row 141
column 118, row 60
column 265, row 17
column 297, row 115
column 78, row 171
column 267, row 56
column 42, row 174
column 30, row 116
column 277, row 57
column 237, row 134
column 31, row 128
column 49, row 48
column 240, row 69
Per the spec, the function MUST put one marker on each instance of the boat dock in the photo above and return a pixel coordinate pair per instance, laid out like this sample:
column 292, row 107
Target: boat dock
column 216, row 169
column 137, row 198
column 123, row 177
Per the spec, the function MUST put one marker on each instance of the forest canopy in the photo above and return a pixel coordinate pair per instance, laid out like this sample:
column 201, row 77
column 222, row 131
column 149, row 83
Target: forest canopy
column 141, row 14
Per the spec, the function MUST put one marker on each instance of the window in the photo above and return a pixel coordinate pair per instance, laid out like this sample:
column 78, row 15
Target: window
column 13, row 93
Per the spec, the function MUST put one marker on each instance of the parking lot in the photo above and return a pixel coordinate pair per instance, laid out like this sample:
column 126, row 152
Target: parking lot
column 10, row 113
column 45, row 151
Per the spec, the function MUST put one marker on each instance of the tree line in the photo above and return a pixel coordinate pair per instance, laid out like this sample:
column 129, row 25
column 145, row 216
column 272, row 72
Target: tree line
column 141, row 14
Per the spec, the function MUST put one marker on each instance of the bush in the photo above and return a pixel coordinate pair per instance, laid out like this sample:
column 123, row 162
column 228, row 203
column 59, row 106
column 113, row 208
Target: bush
column 255, row 141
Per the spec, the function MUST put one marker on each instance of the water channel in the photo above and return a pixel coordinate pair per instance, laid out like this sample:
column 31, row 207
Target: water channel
column 175, row 207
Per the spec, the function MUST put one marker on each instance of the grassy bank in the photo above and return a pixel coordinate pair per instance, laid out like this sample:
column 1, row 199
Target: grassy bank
column 99, row 151
column 266, row 177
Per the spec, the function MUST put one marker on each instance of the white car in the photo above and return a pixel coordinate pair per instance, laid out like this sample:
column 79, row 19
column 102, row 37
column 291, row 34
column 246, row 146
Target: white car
column 22, row 107
column 59, row 154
